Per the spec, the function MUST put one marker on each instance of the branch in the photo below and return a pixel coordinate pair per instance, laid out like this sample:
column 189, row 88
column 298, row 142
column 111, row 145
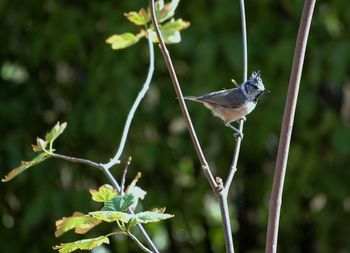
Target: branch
column 190, row 128
column 233, row 167
column 143, row 247
column 287, row 126
column 142, row 93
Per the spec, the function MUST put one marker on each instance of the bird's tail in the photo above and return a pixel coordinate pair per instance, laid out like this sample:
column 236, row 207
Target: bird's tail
column 192, row 98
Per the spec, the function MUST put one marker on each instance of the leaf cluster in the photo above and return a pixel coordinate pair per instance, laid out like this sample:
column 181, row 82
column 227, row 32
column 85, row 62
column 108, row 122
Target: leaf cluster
column 170, row 28
column 43, row 147
column 114, row 210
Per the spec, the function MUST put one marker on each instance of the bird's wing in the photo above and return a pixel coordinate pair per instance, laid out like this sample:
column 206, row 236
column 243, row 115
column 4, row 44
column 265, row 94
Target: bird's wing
column 232, row 98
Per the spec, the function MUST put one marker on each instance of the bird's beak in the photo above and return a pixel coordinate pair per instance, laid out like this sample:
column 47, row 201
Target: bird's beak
column 267, row 91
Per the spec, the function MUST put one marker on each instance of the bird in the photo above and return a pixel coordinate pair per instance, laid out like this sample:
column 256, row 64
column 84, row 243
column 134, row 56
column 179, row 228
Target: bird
column 231, row 105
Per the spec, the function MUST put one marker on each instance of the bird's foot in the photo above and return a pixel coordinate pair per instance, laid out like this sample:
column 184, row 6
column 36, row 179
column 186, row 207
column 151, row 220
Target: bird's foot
column 238, row 134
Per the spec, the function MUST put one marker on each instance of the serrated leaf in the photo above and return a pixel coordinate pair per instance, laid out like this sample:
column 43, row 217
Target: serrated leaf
column 120, row 41
column 79, row 222
column 86, row 244
column 40, row 145
column 168, row 10
column 56, row 131
column 111, row 216
column 119, row 203
column 152, row 216
column 25, row 165
column 103, row 194
column 138, row 18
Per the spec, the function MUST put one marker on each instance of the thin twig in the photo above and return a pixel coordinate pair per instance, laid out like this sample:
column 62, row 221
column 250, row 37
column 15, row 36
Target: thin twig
column 233, row 167
column 125, row 170
column 142, row 93
column 143, row 247
column 77, row 160
column 287, row 126
column 181, row 100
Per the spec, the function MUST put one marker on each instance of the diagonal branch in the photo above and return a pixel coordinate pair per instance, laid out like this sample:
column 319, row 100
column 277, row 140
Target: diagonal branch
column 287, row 126
column 181, row 100
column 142, row 93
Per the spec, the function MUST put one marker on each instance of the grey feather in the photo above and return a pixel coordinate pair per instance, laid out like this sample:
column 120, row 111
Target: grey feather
column 232, row 98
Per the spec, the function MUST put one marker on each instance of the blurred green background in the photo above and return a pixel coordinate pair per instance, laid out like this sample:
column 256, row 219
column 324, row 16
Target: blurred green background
column 55, row 65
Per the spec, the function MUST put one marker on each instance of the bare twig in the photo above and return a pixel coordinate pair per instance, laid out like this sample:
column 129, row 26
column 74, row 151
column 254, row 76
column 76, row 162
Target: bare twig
column 77, row 160
column 170, row 66
column 142, row 93
column 233, row 167
column 125, row 170
column 287, row 126
column 143, row 247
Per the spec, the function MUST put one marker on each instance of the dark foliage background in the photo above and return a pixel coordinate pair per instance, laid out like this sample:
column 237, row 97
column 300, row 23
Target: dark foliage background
column 66, row 72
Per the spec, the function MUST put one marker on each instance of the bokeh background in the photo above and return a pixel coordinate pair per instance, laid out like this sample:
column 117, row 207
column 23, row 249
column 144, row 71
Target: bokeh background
column 56, row 66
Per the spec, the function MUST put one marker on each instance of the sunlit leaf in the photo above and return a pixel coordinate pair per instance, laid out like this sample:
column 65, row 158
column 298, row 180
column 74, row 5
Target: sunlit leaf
column 103, row 194
column 168, row 10
column 40, row 145
column 119, row 203
column 171, row 31
column 56, row 131
column 25, row 165
column 110, row 216
column 152, row 216
column 79, row 222
column 139, row 18
column 86, row 244
column 136, row 191
column 120, row 41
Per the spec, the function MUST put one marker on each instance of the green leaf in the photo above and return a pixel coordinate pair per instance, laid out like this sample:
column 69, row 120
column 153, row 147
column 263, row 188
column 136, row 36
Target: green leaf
column 86, row 244
column 168, row 10
column 171, row 31
column 138, row 18
column 152, row 216
column 120, row 41
column 111, row 216
column 79, row 222
column 25, row 165
column 40, row 145
column 136, row 191
column 103, row 194
column 119, row 203
column 56, row 131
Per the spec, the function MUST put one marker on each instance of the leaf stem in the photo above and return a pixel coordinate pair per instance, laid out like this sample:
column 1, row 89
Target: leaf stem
column 287, row 127
column 143, row 247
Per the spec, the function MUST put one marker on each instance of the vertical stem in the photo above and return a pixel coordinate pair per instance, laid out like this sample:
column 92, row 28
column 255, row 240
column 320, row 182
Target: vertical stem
column 244, row 41
column 287, row 126
column 225, row 216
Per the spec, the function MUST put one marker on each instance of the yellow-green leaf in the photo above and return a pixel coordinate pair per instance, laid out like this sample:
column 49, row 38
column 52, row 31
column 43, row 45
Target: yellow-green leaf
column 25, row 165
column 86, row 244
column 40, row 145
column 136, row 191
column 120, row 41
column 171, row 31
column 152, row 216
column 138, row 18
column 79, row 222
column 168, row 10
column 103, row 194
column 110, row 216
column 56, row 131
